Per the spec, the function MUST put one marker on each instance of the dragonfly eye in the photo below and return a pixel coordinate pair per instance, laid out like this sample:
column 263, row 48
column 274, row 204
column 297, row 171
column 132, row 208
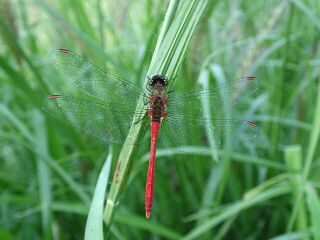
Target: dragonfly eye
column 158, row 80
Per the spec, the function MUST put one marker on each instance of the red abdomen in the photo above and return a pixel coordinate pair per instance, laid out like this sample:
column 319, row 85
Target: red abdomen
column 155, row 126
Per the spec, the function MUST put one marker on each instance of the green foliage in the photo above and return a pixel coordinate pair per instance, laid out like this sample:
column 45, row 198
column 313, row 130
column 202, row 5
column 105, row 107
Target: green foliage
column 267, row 188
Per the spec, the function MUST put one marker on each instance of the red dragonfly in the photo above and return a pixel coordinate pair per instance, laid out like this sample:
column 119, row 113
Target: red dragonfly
column 185, row 120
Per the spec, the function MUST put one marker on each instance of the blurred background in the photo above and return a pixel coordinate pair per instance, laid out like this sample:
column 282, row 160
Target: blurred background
column 265, row 189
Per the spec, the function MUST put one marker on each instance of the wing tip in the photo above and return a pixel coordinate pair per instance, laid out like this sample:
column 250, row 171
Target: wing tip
column 254, row 128
column 54, row 96
column 250, row 78
column 253, row 124
column 63, row 50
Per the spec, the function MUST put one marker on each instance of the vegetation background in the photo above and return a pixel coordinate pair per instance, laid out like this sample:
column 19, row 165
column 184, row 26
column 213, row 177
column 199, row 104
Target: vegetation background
column 266, row 189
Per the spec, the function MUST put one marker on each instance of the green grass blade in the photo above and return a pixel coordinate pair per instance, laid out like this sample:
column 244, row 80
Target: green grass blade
column 166, row 24
column 44, row 176
column 142, row 223
column 94, row 225
column 38, row 77
column 314, row 138
column 293, row 236
column 236, row 208
column 5, row 111
column 313, row 201
column 310, row 13
column 293, row 158
column 78, row 190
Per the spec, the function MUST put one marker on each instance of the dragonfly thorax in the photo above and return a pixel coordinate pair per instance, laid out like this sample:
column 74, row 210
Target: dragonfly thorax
column 157, row 110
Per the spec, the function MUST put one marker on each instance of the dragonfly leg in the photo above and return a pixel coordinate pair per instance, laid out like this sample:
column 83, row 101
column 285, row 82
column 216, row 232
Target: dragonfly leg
column 150, row 112
column 163, row 114
column 164, row 101
column 139, row 120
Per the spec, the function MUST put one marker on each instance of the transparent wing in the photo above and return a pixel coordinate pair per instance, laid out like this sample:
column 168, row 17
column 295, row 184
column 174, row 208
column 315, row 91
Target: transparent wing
column 214, row 96
column 103, row 121
column 191, row 118
column 94, row 81
column 213, row 133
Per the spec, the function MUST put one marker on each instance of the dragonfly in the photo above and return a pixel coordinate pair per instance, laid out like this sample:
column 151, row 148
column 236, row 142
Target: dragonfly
column 110, row 105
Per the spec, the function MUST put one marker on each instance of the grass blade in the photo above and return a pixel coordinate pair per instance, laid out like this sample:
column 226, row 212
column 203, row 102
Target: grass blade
column 293, row 158
column 44, row 176
column 314, row 209
column 314, row 137
column 139, row 222
column 94, row 226
column 236, row 208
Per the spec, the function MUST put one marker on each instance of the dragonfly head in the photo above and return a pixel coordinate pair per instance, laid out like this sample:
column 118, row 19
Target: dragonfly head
column 158, row 80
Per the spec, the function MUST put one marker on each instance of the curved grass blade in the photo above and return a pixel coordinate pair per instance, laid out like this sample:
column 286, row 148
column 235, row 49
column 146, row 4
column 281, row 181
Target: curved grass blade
column 94, row 225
